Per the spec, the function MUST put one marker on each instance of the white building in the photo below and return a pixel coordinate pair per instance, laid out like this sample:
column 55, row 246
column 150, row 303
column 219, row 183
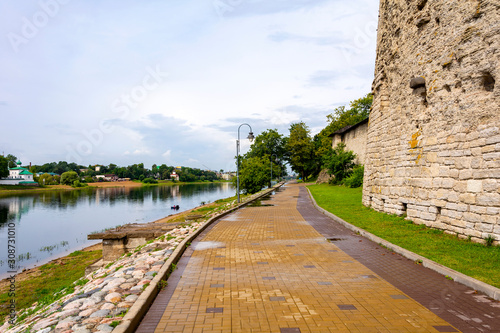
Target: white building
column 18, row 176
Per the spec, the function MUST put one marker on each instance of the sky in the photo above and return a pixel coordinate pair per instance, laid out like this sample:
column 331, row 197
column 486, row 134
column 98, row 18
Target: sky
column 154, row 82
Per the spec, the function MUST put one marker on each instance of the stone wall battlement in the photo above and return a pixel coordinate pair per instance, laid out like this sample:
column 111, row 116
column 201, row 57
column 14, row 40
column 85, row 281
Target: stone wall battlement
column 433, row 148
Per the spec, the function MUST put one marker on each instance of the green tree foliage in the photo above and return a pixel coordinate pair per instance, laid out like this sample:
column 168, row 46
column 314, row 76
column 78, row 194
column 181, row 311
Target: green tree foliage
column 268, row 143
column 12, row 161
column 341, row 117
column 165, row 171
column 4, row 167
column 272, row 146
column 192, row 174
column 47, row 179
column 301, row 150
column 255, row 174
column 356, row 177
column 339, row 162
column 69, row 177
column 59, row 167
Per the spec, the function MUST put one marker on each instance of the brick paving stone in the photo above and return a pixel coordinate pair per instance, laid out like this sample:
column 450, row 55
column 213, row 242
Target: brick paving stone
column 284, row 295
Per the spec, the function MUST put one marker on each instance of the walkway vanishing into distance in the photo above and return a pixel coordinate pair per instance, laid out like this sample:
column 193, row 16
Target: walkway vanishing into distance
column 269, row 268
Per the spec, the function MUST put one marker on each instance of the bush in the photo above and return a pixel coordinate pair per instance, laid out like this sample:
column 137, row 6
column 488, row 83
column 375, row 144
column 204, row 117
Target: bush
column 46, row 179
column 77, row 183
column 356, row 178
column 150, row 181
column 339, row 163
column 69, row 177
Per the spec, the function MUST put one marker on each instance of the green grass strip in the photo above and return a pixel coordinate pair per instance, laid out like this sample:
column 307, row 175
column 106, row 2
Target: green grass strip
column 55, row 277
column 472, row 259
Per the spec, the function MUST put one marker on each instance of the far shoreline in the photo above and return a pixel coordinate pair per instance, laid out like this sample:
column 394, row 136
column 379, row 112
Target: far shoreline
column 16, row 190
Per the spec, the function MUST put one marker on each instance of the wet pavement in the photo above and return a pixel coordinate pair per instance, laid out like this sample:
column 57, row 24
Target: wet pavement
column 270, row 268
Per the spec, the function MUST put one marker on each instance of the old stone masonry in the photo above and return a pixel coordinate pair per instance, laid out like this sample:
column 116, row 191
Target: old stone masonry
column 433, row 148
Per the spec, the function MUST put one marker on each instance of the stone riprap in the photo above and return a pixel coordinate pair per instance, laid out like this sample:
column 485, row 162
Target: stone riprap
column 101, row 303
column 433, row 150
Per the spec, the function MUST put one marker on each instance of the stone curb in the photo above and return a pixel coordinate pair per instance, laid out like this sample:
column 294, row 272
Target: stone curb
column 141, row 306
column 485, row 288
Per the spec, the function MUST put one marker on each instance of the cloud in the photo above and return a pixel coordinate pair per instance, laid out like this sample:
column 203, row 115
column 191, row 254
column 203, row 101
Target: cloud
column 265, row 62
column 167, row 154
column 323, row 78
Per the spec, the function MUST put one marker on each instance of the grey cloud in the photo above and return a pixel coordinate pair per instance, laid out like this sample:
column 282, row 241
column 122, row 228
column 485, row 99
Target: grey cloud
column 322, row 78
column 313, row 117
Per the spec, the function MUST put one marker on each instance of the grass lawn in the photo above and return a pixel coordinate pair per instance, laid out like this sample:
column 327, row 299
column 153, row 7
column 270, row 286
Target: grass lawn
column 53, row 277
column 472, row 259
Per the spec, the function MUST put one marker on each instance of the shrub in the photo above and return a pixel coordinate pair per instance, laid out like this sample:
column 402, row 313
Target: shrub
column 150, row 181
column 69, row 177
column 356, row 178
column 77, row 183
column 339, row 163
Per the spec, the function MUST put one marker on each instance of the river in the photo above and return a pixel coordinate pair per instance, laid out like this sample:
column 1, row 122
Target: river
column 56, row 223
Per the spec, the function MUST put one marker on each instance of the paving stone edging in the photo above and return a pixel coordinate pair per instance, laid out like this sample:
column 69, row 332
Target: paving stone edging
column 475, row 284
column 135, row 314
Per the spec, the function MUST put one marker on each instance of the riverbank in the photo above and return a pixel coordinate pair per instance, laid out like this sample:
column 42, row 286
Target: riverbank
column 40, row 283
column 36, row 279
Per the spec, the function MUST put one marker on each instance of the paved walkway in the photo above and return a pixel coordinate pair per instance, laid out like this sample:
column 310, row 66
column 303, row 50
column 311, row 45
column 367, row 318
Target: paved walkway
column 270, row 269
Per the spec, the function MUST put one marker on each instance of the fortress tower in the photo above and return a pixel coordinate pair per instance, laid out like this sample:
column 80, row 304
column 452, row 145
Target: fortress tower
column 433, row 150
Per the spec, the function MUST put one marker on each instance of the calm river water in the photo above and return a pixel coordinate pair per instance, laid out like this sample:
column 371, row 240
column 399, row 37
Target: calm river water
column 53, row 224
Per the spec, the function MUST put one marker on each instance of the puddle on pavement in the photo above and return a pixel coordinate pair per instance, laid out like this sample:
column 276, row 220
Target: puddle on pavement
column 207, row 245
column 334, row 239
column 260, row 203
column 232, row 217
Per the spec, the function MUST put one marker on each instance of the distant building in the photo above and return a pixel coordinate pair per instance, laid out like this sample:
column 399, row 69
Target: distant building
column 355, row 138
column 228, row 175
column 174, row 176
column 111, row 177
column 18, row 176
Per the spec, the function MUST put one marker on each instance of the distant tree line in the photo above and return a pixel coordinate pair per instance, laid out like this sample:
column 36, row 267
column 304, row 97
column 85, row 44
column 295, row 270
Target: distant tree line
column 52, row 173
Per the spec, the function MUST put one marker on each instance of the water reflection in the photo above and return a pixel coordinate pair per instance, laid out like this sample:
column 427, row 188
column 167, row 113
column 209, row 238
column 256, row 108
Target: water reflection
column 52, row 223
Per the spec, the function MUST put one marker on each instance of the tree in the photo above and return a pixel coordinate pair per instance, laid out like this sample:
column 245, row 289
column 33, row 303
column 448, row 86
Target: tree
column 254, row 174
column 272, row 146
column 69, row 177
column 47, row 179
column 301, row 149
column 4, row 167
column 341, row 117
column 339, row 162
column 12, row 161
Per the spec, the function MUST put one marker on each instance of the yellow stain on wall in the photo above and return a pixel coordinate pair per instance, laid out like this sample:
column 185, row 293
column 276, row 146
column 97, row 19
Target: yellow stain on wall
column 414, row 140
column 415, row 150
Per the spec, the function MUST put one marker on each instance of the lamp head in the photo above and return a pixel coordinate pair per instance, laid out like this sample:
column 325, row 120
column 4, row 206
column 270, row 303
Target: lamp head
column 250, row 137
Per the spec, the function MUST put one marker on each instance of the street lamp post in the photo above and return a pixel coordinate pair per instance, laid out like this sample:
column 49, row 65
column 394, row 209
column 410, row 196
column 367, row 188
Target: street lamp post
column 250, row 138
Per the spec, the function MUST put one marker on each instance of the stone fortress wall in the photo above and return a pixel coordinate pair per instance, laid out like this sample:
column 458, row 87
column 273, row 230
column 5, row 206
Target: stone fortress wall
column 433, row 150
column 354, row 138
